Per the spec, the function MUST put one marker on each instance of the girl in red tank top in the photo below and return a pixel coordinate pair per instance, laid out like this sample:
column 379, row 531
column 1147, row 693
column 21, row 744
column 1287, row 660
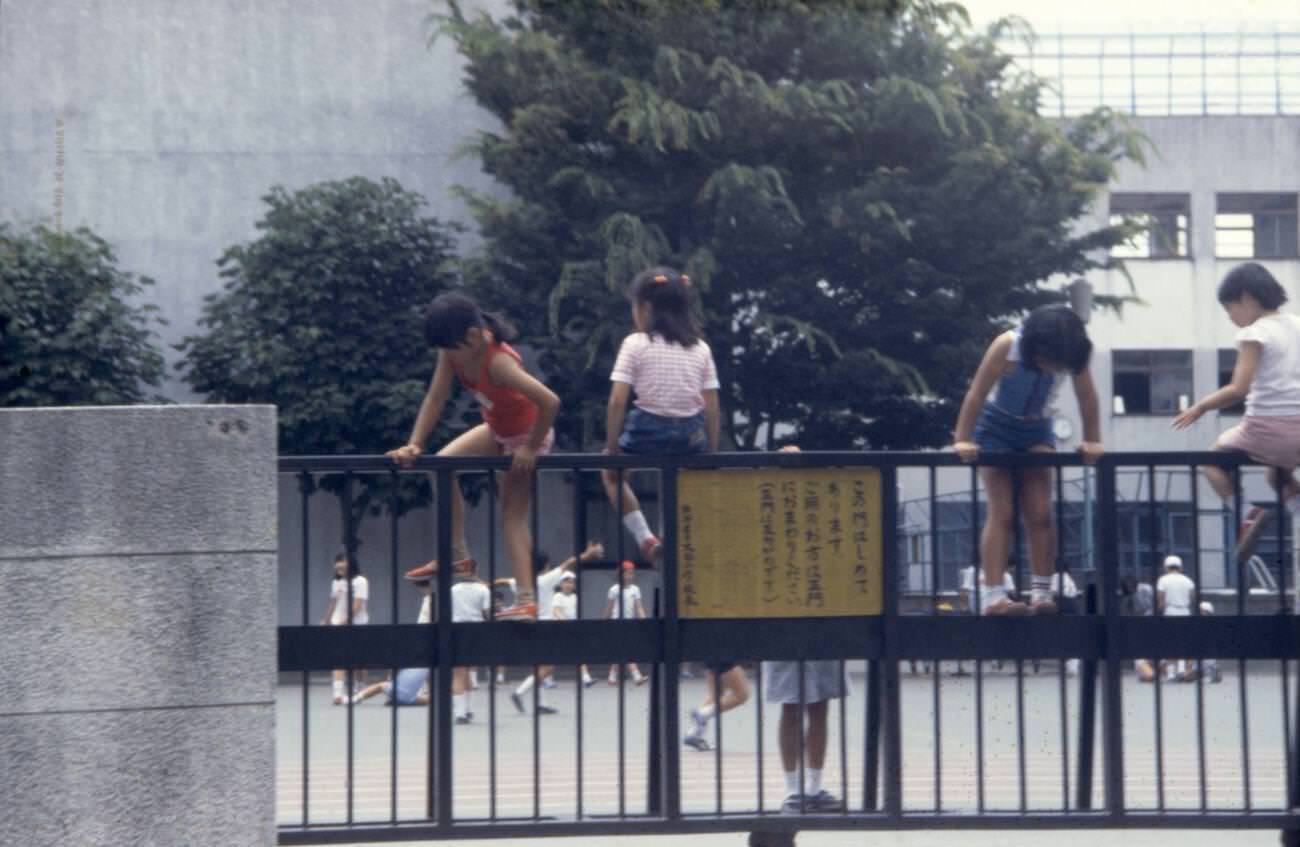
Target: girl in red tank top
column 517, row 409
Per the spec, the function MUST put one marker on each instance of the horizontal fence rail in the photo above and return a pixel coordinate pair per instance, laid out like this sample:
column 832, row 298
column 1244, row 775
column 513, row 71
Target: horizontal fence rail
column 926, row 716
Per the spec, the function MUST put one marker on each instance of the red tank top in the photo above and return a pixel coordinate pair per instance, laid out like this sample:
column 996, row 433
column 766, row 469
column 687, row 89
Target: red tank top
column 506, row 411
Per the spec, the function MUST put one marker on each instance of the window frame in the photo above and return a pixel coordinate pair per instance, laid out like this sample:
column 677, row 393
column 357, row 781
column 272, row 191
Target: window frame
column 1156, row 206
column 1151, row 369
column 1278, row 210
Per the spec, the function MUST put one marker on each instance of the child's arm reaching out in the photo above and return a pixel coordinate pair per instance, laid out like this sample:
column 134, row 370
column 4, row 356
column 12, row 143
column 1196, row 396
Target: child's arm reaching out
column 990, row 370
column 435, row 400
column 1234, row 392
column 1085, row 391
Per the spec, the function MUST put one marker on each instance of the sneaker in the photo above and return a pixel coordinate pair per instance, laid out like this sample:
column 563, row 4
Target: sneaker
column 463, row 719
column 640, row 679
column 1249, row 532
column 518, row 701
column 549, row 683
column 696, row 742
column 701, row 724
column 613, row 678
column 588, row 682
column 821, row 803
column 651, row 548
column 1006, row 608
column 794, row 804
column 522, row 612
column 543, row 709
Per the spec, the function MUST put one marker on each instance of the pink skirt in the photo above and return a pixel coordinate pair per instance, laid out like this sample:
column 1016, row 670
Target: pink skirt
column 1272, row 440
column 511, row 443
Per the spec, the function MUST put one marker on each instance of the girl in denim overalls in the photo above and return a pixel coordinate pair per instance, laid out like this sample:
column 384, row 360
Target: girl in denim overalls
column 1024, row 367
column 669, row 366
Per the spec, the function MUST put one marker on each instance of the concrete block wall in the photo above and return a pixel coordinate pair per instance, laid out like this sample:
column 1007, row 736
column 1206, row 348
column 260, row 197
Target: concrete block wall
column 138, row 581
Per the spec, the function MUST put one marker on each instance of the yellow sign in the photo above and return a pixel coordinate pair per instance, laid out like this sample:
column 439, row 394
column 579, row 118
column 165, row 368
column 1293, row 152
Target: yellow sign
column 769, row 543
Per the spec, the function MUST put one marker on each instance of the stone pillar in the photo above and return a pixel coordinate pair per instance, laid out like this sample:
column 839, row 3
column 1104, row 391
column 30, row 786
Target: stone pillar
column 137, row 626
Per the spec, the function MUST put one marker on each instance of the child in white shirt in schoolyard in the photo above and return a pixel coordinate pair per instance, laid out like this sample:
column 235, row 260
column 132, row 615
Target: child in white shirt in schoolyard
column 348, row 582
column 1022, row 370
column 668, row 365
column 624, row 603
column 1267, row 376
column 549, row 580
column 517, row 414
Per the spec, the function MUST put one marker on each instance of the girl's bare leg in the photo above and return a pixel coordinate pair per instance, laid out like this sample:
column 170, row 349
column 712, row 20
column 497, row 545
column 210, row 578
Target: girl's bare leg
column 475, row 442
column 516, row 495
column 995, row 541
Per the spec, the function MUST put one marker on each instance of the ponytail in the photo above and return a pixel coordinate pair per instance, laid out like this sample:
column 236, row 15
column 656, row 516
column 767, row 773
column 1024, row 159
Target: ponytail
column 667, row 292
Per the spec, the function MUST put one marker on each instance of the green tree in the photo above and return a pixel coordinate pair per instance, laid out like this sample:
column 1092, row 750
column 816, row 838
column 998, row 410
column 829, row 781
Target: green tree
column 72, row 329
column 320, row 315
column 863, row 192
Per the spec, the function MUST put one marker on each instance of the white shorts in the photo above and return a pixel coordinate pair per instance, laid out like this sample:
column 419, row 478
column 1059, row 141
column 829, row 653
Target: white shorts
column 823, row 679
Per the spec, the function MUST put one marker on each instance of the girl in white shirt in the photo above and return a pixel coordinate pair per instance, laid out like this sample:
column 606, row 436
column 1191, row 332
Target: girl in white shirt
column 624, row 603
column 670, row 368
column 1267, row 377
column 338, row 611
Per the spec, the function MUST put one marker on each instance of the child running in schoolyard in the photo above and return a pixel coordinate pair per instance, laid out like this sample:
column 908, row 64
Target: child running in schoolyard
column 549, row 580
column 726, row 687
column 1024, row 369
column 517, row 414
column 1267, row 376
column 624, row 603
column 669, row 368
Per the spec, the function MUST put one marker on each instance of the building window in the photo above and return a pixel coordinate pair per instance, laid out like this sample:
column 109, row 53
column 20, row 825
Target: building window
column 1163, row 221
column 1227, row 362
column 1151, row 382
column 1256, row 226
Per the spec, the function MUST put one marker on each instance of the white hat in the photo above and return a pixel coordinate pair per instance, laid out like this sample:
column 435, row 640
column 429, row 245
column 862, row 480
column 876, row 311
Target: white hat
column 1174, row 562
column 567, row 575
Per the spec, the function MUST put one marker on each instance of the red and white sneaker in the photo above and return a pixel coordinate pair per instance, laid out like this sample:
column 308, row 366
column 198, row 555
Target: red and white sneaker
column 1249, row 532
column 523, row 612
column 651, row 548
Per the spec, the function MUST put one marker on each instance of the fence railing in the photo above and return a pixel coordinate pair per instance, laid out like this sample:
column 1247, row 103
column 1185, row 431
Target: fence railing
column 953, row 748
column 1188, row 73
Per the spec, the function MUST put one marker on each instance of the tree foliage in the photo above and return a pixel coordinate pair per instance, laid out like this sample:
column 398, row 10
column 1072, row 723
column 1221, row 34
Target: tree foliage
column 863, row 192
column 72, row 331
column 320, row 315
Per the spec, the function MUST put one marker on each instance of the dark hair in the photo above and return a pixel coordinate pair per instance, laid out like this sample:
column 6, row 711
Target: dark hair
column 452, row 315
column 1055, row 334
column 668, row 293
column 1254, row 279
column 354, row 569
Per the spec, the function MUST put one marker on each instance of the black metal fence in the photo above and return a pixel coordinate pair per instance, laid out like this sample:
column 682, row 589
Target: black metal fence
column 1001, row 730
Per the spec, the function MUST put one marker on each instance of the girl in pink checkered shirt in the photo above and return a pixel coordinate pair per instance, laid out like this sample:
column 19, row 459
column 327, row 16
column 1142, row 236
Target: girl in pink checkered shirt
column 669, row 367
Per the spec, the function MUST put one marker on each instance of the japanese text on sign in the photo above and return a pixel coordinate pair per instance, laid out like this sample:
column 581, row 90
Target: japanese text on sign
column 779, row 543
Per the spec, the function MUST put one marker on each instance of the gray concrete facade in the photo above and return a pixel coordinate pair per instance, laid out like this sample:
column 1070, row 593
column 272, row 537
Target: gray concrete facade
column 161, row 125
column 137, row 564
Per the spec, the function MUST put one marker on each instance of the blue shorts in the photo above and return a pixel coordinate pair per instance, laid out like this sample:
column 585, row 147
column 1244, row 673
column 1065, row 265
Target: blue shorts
column 645, row 433
column 998, row 432
column 408, row 684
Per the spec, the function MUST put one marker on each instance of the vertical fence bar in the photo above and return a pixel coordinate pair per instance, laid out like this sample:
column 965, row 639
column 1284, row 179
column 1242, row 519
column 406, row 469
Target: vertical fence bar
column 349, row 534
column 538, row 682
column 1087, row 715
column 758, row 733
column 1062, row 573
column 393, row 558
column 1159, row 701
column 672, row 647
column 1017, row 489
column 1113, row 713
column 976, row 604
column 1242, row 589
column 716, row 681
column 492, row 670
column 844, row 738
column 1200, row 661
column 579, row 544
column 871, row 739
column 893, row 706
column 934, row 610
column 441, row 778
column 304, row 490
column 801, row 738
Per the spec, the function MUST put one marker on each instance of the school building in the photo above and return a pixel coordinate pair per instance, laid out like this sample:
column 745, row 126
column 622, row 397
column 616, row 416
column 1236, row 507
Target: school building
column 1219, row 187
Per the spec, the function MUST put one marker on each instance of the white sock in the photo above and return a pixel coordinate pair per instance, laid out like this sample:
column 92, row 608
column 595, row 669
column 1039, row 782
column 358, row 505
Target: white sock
column 460, row 705
column 636, row 524
column 814, row 781
column 989, row 596
column 791, row 783
column 1040, row 589
column 526, row 685
column 473, row 679
column 586, row 677
column 338, row 688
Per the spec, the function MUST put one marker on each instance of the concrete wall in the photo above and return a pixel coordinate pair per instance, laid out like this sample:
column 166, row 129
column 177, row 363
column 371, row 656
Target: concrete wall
column 178, row 117
column 137, row 564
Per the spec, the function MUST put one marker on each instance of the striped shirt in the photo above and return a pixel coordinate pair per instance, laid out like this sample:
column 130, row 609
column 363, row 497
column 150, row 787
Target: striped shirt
column 668, row 378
